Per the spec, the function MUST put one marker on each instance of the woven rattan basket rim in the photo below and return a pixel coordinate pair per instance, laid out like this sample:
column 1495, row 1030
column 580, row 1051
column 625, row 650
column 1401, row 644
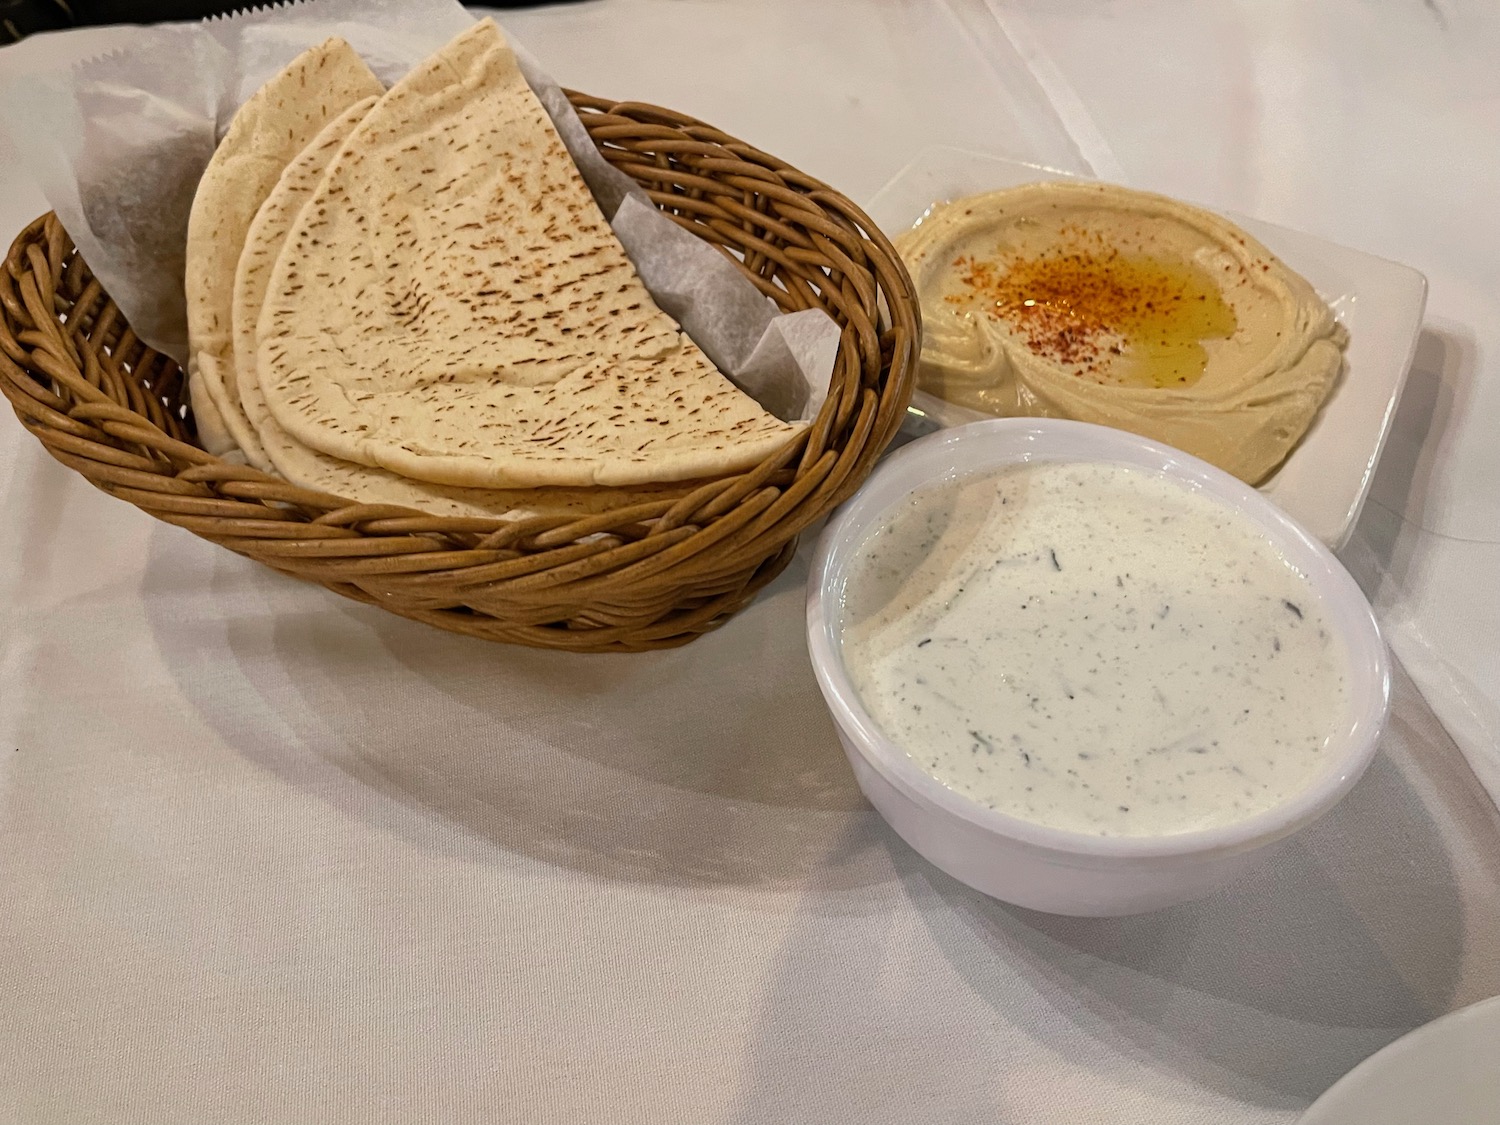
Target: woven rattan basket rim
column 641, row 576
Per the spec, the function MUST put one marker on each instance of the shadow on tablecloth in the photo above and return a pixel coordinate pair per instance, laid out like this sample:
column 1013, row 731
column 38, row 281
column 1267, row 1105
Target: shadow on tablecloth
column 713, row 764
column 1352, row 933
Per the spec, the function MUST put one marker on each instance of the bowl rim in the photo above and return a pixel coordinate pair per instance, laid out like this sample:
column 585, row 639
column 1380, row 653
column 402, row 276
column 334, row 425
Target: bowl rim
column 1017, row 440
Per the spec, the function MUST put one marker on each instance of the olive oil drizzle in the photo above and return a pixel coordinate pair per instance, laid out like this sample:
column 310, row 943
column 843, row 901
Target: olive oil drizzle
column 1115, row 318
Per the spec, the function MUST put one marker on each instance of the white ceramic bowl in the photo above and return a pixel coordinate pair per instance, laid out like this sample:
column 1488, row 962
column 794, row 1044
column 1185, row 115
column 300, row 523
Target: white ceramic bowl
column 1031, row 864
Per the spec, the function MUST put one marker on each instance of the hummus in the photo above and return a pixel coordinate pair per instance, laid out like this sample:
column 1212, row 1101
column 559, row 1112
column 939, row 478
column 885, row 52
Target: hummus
column 1106, row 305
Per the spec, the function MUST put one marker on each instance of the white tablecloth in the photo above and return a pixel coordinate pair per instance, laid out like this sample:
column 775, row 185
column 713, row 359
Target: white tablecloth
column 267, row 855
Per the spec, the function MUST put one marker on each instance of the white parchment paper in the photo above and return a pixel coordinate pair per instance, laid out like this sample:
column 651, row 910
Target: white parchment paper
column 118, row 144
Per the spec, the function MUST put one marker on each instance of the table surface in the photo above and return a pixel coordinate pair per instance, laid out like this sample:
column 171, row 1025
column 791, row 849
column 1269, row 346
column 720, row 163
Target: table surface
column 268, row 855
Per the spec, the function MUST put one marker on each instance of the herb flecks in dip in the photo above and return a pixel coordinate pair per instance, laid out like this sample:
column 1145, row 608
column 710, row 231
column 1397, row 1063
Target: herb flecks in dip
column 1092, row 647
column 1094, row 302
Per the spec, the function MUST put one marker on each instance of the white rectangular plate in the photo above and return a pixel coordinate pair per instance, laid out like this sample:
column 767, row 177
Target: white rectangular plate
column 1323, row 484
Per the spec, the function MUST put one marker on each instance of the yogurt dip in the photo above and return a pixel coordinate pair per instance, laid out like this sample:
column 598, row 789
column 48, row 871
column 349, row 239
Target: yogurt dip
column 1092, row 647
column 1126, row 309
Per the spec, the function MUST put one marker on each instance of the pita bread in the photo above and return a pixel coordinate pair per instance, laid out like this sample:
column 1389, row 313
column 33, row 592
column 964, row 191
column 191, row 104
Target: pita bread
column 263, row 242
column 451, row 305
column 307, row 467
column 265, row 134
column 213, row 435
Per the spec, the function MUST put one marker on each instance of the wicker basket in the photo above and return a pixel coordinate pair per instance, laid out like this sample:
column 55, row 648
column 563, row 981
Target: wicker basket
column 649, row 575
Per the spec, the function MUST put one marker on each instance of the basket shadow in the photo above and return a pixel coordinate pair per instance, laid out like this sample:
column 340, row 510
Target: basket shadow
column 715, row 763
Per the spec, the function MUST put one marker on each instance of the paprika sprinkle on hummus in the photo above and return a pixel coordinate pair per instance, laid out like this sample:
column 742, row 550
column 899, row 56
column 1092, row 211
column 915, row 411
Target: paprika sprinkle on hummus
column 1111, row 317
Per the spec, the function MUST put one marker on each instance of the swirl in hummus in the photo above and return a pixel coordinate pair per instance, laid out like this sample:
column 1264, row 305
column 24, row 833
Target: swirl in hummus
column 1106, row 305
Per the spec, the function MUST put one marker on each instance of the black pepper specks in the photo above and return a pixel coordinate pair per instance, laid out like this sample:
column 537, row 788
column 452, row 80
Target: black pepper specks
column 1141, row 688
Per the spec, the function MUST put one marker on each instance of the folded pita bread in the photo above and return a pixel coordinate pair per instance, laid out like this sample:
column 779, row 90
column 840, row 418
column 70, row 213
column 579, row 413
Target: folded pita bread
column 263, row 242
column 362, row 484
column 451, row 305
column 213, row 434
column 266, row 133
